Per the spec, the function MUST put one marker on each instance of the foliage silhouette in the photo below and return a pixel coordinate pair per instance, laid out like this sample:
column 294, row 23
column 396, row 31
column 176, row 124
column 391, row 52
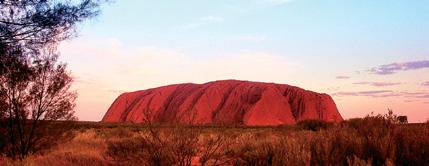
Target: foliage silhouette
column 34, row 87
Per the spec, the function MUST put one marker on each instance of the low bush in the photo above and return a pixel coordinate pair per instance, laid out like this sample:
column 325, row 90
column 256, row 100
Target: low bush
column 215, row 148
column 169, row 146
column 373, row 140
column 313, row 124
column 335, row 146
column 271, row 149
column 412, row 145
column 254, row 153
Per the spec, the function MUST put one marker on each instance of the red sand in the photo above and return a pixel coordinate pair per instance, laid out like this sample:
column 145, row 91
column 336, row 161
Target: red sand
column 223, row 102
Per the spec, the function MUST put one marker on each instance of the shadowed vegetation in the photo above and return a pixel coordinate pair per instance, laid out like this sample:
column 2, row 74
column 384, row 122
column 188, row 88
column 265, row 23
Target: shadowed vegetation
column 373, row 140
column 34, row 86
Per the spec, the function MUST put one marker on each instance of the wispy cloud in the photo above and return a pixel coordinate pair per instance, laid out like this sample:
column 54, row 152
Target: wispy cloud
column 415, row 94
column 81, row 81
column 251, row 38
column 342, row 77
column 115, row 91
column 425, row 96
column 374, row 93
column 279, row 2
column 153, row 66
column 384, row 93
column 249, row 6
column 425, row 83
column 378, row 84
column 396, row 67
column 212, row 19
column 330, row 89
column 84, row 78
column 202, row 21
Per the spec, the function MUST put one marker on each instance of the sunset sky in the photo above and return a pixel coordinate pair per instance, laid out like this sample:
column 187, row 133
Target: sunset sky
column 369, row 55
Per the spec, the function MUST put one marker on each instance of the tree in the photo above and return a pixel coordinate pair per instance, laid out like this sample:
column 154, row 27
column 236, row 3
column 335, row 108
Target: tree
column 33, row 24
column 34, row 87
column 29, row 26
column 36, row 97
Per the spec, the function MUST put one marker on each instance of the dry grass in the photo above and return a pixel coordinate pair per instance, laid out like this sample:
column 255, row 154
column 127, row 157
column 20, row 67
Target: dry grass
column 358, row 142
column 84, row 149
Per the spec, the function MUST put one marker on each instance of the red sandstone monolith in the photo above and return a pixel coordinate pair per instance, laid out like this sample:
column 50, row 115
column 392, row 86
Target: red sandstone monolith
column 223, row 102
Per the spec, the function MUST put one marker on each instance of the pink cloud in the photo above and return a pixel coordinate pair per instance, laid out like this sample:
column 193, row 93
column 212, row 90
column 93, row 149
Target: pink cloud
column 384, row 93
column 396, row 67
column 342, row 77
column 423, row 96
column 116, row 91
column 415, row 94
column 378, row 84
column 375, row 93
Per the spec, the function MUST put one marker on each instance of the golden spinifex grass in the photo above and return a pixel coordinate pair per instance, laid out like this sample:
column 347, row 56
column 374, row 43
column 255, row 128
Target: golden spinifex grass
column 372, row 140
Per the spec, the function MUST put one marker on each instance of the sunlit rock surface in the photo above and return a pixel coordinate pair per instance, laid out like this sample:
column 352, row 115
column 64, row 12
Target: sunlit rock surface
column 223, row 102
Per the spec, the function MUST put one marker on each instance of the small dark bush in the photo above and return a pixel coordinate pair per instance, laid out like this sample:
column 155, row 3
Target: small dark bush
column 169, row 146
column 412, row 145
column 335, row 147
column 70, row 159
column 138, row 151
column 119, row 132
column 313, row 124
column 261, row 153
column 215, row 149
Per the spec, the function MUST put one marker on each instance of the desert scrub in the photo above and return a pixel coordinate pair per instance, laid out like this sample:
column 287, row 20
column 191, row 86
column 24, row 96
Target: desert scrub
column 215, row 148
column 371, row 139
column 156, row 146
column 271, row 149
column 335, row 146
column 294, row 149
column 412, row 145
column 85, row 148
column 249, row 149
column 115, row 133
column 365, row 141
column 313, row 124
column 378, row 135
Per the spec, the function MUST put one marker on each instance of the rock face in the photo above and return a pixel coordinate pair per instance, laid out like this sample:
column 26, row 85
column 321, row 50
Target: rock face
column 223, row 102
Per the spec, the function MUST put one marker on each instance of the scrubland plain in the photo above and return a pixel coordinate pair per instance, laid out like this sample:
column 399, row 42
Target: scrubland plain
column 373, row 140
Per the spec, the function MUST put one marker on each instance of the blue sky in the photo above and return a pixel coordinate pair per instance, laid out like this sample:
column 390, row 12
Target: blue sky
column 141, row 44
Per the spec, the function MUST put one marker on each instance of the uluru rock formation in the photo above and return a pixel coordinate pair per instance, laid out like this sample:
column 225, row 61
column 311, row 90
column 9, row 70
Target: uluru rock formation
column 223, row 102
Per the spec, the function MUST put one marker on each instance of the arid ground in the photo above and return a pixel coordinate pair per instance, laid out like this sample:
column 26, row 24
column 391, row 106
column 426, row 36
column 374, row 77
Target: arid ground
column 374, row 140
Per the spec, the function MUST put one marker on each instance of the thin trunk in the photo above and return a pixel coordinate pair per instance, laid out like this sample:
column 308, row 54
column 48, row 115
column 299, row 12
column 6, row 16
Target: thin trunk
column 12, row 133
column 20, row 126
column 38, row 111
